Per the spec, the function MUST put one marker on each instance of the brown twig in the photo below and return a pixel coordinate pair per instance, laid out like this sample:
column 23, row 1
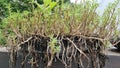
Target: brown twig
column 78, row 48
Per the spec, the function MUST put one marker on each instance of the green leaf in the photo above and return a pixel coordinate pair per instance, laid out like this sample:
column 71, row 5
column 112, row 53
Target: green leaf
column 1, row 1
column 47, row 2
column 53, row 4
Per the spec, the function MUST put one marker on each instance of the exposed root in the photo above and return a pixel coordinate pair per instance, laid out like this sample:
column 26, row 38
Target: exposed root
column 86, row 52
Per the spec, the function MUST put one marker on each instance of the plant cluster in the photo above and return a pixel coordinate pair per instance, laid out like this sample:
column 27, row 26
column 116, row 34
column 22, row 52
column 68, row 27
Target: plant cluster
column 67, row 19
column 53, row 29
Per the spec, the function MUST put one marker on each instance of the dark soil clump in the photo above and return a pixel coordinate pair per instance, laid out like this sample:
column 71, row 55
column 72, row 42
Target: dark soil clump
column 86, row 52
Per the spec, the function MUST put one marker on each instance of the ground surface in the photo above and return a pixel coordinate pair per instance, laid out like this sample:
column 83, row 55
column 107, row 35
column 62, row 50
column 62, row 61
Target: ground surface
column 113, row 58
